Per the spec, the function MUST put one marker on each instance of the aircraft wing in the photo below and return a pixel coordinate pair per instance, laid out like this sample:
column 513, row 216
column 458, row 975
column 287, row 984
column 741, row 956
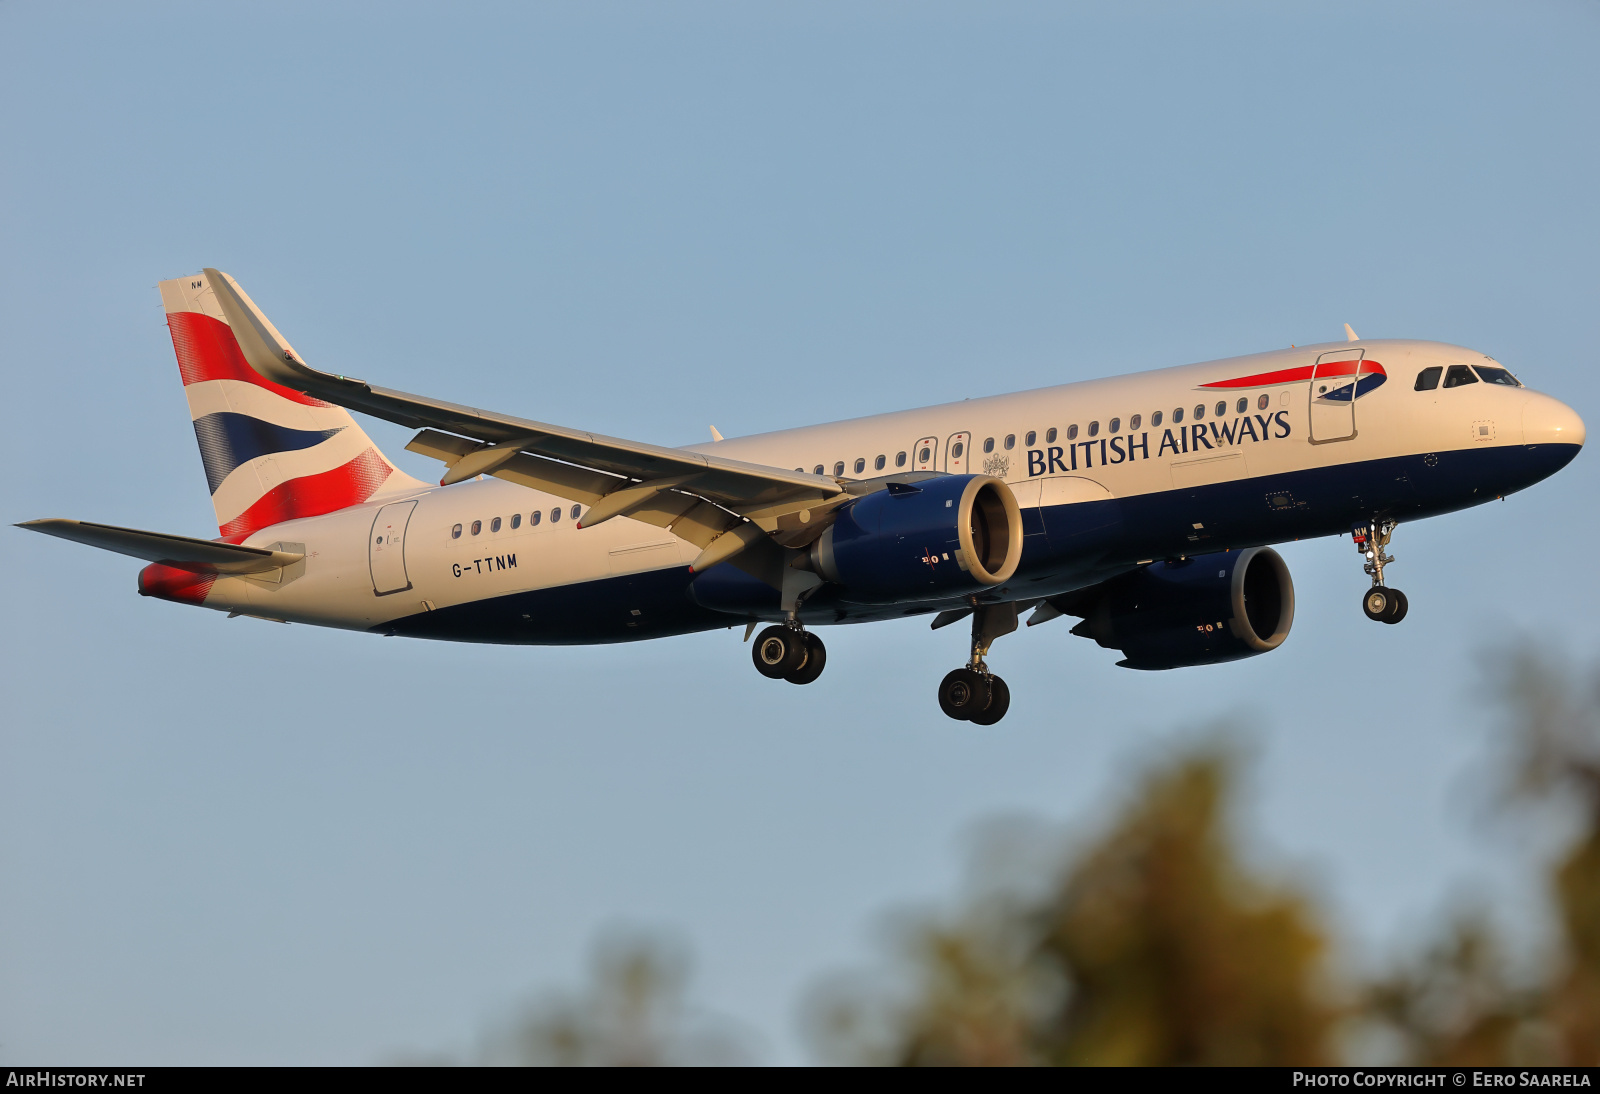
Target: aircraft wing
column 698, row 496
column 202, row 556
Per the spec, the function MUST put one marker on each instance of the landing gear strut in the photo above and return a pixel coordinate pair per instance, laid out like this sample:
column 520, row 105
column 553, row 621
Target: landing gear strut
column 787, row 652
column 1381, row 603
column 973, row 693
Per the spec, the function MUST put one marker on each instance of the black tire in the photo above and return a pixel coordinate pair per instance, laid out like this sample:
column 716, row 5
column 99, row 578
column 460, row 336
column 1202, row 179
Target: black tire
column 1378, row 602
column 999, row 703
column 816, row 660
column 778, row 652
column 1398, row 611
column 963, row 693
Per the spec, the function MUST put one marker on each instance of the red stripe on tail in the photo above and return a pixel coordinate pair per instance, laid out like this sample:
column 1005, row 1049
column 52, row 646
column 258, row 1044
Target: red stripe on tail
column 171, row 583
column 312, row 495
column 207, row 350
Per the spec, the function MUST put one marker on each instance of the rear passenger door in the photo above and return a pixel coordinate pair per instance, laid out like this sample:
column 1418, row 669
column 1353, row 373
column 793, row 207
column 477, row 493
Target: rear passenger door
column 386, row 548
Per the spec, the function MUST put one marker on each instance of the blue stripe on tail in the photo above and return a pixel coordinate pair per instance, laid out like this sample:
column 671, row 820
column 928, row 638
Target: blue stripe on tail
column 228, row 439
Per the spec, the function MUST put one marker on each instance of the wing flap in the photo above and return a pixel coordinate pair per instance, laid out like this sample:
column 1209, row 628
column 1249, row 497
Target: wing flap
column 201, row 556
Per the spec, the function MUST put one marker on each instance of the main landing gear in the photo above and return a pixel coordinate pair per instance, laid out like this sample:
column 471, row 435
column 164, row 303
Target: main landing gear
column 788, row 652
column 1381, row 603
column 973, row 693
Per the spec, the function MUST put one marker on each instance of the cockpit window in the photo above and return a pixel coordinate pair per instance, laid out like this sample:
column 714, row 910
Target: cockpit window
column 1494, row 375
column 1428, row 378
column 1459, row 376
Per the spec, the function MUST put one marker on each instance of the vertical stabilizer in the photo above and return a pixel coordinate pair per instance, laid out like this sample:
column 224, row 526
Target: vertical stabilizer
column 271, row 454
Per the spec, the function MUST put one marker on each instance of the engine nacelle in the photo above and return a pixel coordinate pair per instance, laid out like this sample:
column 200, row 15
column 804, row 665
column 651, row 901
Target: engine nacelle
column 939, row 537
column 1202, row 611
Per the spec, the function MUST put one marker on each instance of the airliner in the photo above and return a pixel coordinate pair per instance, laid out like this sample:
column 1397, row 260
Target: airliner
column 1144, row 506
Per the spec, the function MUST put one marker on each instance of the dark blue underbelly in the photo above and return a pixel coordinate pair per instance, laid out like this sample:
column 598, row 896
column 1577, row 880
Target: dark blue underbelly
column 1064, row 548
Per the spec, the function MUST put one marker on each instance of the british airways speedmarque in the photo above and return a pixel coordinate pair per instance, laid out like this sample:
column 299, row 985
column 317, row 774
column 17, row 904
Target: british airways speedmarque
column 1144, row 505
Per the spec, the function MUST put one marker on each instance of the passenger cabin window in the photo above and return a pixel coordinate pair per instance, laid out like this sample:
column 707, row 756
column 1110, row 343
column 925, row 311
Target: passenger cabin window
column 1050, row 435
column 477, row 526
column 877, row 464
column 1199, row 412
column 1030, row 439
column 924, row 455
column 1459, row 376
column 1221, row 410
column 817, row 470
column 838, row 470
column 1244, row 405
column 516, row 521
column 577, row 510
column 494, row 525
column 861, row 465
column 956, row 450
column 555, row 516
column 1072, row 432
column 535, row 517
column 1155, row 419
column 1177, row 415
column 1011, row 441
column 1094, row 429
column 1261, row 403
column 1493, row 375
column 1428, row 378
column 1115, row 425
column 899, row 459
column 455, row 533
column 1133, row 422
column 988, row 444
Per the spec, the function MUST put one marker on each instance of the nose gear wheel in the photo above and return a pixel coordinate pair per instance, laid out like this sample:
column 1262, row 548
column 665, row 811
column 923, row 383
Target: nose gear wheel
column 1380, row 603
column 1384, row 605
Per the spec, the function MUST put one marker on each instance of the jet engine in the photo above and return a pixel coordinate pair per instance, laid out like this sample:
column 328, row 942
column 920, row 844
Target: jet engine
column 1201, row 611
column 939, row 537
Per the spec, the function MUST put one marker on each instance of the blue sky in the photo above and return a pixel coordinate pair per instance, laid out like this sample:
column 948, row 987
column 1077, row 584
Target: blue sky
column 233, row 841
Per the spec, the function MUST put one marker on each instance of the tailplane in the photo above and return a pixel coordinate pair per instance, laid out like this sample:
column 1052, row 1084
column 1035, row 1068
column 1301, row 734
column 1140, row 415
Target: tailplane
column 271, row 453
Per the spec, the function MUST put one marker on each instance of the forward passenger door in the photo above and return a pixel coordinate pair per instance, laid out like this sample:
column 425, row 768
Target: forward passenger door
column 1333, row 395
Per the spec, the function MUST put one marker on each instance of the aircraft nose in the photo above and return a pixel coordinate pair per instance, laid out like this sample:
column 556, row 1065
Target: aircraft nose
column 1550, row 421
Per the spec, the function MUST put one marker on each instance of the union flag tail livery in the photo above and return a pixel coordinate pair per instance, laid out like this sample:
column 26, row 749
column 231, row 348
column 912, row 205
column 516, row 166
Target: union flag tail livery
column 1145, row 505
column 271, row 454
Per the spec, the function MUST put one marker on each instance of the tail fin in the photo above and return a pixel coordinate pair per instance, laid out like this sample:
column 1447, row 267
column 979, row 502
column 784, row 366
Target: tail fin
column 271, row 454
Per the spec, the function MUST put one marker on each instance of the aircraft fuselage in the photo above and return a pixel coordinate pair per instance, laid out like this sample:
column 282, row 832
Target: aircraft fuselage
column 1109, row 474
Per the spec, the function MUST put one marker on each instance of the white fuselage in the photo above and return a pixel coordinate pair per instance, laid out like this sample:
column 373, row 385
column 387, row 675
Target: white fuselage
column 1055, row 447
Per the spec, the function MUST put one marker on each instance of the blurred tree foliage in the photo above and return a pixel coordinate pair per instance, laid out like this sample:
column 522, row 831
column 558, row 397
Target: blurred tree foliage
column 633, row 1014
column 1455, row 1004
column 1155, row 946
column 1158, row 944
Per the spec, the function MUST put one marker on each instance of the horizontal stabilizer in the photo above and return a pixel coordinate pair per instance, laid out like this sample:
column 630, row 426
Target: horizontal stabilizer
column 201, row 556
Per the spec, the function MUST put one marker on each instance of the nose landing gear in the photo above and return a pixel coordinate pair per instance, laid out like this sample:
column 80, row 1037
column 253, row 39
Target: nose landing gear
column 1380, row 603
column 786, row 652
column 973, row 693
